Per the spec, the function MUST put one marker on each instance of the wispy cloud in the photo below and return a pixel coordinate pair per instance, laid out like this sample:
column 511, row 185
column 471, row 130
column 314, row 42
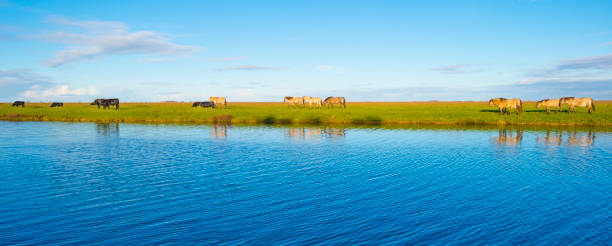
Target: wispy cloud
column 38, row 93
column 28, row 85
column 225, row 59
column 599, row 90
column 100, row 38
column 591, row 62
column 592, row 68
column 454, row 69
column 247, row 68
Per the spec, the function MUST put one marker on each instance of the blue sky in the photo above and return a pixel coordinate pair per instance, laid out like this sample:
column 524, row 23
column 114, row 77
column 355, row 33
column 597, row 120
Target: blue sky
column 264, row 50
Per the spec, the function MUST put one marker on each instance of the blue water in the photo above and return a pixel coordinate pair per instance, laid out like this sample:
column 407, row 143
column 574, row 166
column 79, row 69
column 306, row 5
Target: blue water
column 77, row 183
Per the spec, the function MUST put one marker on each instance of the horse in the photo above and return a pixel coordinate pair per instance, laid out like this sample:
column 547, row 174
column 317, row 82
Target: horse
column 294, row 101
column 313, row 100
column 219, row 101
column 57, row 104
column 205, row 104
column 332, row 100
column 18, row 103
column 580, row 102
column 548, row 103
column 506, row 105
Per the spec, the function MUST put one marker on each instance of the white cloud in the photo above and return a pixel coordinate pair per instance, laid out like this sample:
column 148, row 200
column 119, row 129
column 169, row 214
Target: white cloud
column 99, row 38
column 39, row 93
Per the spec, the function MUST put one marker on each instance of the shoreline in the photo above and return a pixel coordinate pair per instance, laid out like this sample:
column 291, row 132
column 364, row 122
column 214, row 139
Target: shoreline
column 356, row 114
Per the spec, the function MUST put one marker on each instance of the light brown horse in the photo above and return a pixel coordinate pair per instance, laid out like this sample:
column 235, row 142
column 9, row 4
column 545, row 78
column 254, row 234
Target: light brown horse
column 506, row 105
column 219, row 101
column 332, row 100
column 294, row 101
column 548, row 103
column 313, row 100
column 577, row 102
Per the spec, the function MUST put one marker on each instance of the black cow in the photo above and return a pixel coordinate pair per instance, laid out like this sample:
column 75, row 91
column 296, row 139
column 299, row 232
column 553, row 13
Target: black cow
column 204, row 104
column 106, row 103
column 19, row 103
column 97, row 102
column 57, row 104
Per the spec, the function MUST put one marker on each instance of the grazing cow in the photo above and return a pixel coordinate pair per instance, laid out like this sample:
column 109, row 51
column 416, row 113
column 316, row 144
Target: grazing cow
column 205, row 104
column 548, row 103
column 313, row 100
column 294, row 101
column 57, row 104
column 332, row 100
column 97, row 102
column 18, row 103
column 219, row 101
column 580, row 102
column 506, row 105
column 106, row 103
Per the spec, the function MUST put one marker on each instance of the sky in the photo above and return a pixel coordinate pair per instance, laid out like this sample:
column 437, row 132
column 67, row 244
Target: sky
column 149, row 51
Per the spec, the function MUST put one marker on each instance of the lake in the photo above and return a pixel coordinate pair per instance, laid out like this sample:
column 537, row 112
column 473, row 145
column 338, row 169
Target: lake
column 77, row 183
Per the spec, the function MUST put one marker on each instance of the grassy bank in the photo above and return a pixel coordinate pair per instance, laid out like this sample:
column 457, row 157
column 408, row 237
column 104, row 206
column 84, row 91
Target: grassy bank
column 387, row 113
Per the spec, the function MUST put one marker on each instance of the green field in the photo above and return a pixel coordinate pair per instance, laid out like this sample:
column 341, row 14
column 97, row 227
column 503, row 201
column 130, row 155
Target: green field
column 358, row 113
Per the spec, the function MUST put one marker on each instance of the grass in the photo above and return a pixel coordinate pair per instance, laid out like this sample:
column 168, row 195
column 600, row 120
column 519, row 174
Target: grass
column 358, row 113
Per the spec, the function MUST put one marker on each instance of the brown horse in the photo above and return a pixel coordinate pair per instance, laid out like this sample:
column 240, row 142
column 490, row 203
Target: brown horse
column 548, row 103
column 577, row 102
column 506, row 105
column 332, row 100
column 219, row 101
column 313, row 100
column 294, row 101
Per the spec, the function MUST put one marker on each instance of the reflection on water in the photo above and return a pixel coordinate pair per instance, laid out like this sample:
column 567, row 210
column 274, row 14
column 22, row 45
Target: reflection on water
column 219, row 131
column 157, row 183
column 311, row 132
column 574, row 137
column 508, row 137
column 107, row 129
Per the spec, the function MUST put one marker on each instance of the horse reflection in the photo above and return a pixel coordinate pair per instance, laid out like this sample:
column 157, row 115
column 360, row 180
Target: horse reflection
column 219, row 131
column 551, row 139
column 574, row 140
column 313, row 132
column 509, row 137
column 107, row 129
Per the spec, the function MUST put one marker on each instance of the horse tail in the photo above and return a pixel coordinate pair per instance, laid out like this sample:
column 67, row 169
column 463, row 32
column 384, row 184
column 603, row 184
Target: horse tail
column 521, row 105
column 593, row 105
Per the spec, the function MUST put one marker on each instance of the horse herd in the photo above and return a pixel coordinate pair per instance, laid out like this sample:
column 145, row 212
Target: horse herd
column 316, row 101
column 507, row 105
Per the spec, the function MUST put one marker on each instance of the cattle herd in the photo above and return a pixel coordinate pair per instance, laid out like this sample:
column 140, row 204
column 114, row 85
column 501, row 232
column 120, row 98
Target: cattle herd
column 506, row 106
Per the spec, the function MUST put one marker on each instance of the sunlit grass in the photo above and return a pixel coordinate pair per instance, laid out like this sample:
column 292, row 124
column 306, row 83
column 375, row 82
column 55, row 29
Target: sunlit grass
column 387, row 113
